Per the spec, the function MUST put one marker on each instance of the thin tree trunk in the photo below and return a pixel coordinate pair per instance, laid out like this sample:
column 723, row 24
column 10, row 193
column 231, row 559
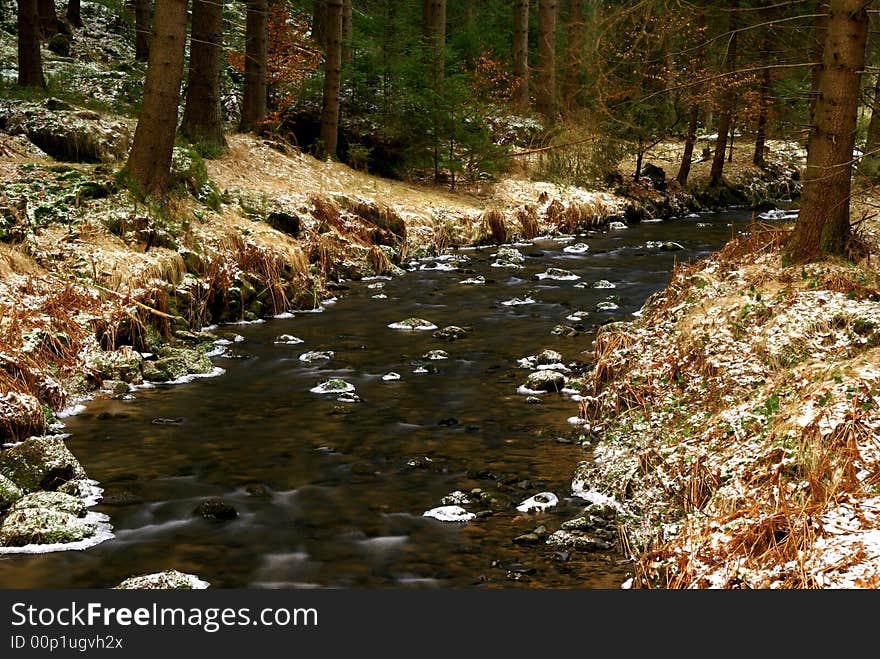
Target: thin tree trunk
column 870, row 163
column 438, row 33
column 202, row 118
column 30, row 62
column 546, row 79
column 74, row 13
column 725, row 117
column 142, row 29
column 149, row 163
column 690, row 140
column 763, row 113
column 253, row 109
column 820, row 32
column 573, row 63
column 319, row 23
column 49, row 24
column 521, row 54
column 332, row 66
column 823, row 221
column 346, row 32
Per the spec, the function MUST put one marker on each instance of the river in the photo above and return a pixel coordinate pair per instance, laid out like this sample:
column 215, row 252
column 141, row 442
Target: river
column 332, row 493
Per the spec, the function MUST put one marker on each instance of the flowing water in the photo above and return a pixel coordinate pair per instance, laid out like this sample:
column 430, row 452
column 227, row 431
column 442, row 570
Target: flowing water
column 331, row 493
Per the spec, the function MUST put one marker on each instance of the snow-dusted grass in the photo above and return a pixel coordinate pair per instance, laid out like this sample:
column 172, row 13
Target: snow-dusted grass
column 738, row 422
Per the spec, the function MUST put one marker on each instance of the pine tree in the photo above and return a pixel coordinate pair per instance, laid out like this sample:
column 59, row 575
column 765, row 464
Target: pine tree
column 30, row 62
column 149, row 163
column 332, row 68
column 545, row 83
column 253, row 109
column 521, row 53
column 202, row 120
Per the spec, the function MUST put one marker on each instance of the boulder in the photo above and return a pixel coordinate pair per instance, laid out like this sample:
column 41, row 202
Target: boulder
column 40, row 463
column 59, row 501
column 215, row 508
column 9, row 492
column 546, row 380
column 43, row 526
column 168, row 580
column 451, row 333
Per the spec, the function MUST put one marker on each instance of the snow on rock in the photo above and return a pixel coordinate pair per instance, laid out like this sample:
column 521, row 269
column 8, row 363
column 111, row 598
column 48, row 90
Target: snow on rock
column 451, row 513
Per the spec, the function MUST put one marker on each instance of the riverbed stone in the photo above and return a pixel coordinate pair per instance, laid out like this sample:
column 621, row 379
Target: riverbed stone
column 215, row 509
column 451, row 333
column 413, row 324
column 59, row 501
column 546, row 380
column 168, row 580
column 41, row 526
column 9, row 492
column 576, row 540
column 124, row 365
column 548, row 356
column 174, row 363
column 40, row 463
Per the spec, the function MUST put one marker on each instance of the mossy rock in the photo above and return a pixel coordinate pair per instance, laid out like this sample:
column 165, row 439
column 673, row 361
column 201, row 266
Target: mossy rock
column 40, row 463
column 77, row 136
column 59, row 501
column 168, row 580
column 545, row 381
column 43, row 526
column 124, row 364
column 9, row 492
column 174, row 363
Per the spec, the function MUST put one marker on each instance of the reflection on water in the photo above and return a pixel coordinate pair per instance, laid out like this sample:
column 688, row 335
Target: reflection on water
column 332, row 493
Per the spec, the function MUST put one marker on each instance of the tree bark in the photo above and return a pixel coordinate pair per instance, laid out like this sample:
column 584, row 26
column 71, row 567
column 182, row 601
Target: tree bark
column 545, row 87
column 49, row 24
column 763, row 113
column 142, row 29
column 690, row 140
column 256, row 55
column 822, row 226
column 332, row 67
column 870, row 163
column 725, row 117
column 74, row 13
column 820, row 32
column 521, row 54
column 202, row 118
column 346, row 32
column 438, row 36
column 149, row 163
column 30, row 62
column 574, row 48
column 319, row 23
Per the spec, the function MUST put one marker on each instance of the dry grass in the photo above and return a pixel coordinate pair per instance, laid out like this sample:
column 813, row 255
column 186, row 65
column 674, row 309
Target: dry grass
column 494, row 220
column 528, row 222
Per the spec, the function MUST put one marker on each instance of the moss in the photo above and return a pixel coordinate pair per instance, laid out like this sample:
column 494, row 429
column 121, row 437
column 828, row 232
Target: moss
column 59, row 501
column 43, row 526
column 9, row 492
column 40, row 463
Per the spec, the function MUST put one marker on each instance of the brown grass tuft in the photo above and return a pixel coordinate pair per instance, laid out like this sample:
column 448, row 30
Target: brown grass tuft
column 528, row 221
column 494, row 219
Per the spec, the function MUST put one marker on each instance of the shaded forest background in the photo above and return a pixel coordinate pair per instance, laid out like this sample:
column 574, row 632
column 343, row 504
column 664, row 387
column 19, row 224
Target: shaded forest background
column 456, row 92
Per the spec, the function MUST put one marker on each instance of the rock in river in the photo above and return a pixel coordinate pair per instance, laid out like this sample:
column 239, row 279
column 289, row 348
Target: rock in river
column 545, row 381
column 40, row 526
column 413, row 324
column 451, row 333
column 168, row 580
column 538, row 503
column 215, row 508
column 449, row 514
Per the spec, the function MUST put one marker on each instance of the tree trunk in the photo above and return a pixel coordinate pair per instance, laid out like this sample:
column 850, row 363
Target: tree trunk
column 253, row 109
column 823, row 221
column 725, row 117
column 820, row 32
column 521, row 54
column 763, row 112
column 346, row 32
column 687, row 157
column 870, row 163
column 49, row 23
column 319, row 23
column 574, row 48
column 149, row 163
column 142, row 29
column 332, row 66
column 202, row 119
column 690, row 140
column 74, row 13
column 438, row 34
column 30, row 62
column 546, row 78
